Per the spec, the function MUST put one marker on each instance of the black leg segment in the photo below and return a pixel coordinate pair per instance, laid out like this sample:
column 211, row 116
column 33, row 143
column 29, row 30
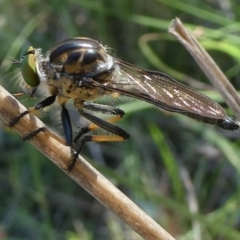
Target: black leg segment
column 105, row 125
column 67, row 126
column 46, row 102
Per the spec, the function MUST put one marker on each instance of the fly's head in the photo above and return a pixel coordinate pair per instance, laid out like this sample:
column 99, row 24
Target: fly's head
column 82, row 58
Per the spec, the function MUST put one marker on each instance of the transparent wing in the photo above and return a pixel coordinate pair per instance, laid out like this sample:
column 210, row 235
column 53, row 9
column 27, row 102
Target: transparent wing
column 162, row 91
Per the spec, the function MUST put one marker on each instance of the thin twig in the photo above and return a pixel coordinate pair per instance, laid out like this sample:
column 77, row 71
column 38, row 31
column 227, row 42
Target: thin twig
column 207, row 64
column 82, row 173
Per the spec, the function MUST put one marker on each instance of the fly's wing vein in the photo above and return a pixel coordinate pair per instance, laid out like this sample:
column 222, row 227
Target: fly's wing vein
column 162, row 91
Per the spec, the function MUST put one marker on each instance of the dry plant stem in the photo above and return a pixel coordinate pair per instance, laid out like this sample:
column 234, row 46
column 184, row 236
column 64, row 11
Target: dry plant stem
column 207, row 64
column 83, row 173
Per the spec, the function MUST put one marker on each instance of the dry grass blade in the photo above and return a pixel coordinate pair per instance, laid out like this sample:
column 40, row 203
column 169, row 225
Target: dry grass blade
column 83, row 173
column 207, row 64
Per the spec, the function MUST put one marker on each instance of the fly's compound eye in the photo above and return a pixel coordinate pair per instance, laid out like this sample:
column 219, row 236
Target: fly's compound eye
column 29, row 67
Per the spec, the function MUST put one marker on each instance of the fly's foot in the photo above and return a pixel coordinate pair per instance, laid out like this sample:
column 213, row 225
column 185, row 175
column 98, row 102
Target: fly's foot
column 33, row 134
column 77, row 149
column 14, row 120
column 73, row 162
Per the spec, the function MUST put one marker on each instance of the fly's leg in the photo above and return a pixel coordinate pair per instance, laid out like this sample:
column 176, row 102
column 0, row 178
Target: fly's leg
column 104, row 109
column 46, row 102
column 94, row 126
column 33, row 134
column 95, row 138
column 67, row 126
column 101, row 109
column 119, row 134
column 29, row 92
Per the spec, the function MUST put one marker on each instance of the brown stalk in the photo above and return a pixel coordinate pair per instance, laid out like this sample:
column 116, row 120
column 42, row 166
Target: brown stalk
column 209, row 67
column 83, row 173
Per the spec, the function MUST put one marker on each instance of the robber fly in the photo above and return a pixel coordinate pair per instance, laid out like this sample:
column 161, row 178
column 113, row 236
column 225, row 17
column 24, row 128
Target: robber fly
column 81, row 69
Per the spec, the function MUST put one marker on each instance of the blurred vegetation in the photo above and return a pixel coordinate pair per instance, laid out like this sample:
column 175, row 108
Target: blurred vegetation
column 183, row 173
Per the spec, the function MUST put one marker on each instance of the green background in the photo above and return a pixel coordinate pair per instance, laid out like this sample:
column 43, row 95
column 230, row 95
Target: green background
column 183, row 173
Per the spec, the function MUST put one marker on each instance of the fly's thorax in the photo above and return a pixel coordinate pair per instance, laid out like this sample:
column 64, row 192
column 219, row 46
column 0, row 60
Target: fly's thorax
column 68, row 86
column 75, row 62
column 81, row 56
